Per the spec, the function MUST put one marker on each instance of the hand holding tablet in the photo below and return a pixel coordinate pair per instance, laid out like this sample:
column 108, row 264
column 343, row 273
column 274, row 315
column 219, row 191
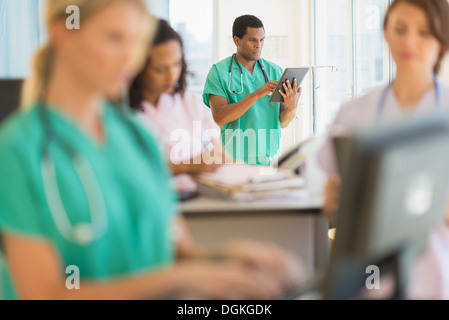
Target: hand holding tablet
column 289, row 74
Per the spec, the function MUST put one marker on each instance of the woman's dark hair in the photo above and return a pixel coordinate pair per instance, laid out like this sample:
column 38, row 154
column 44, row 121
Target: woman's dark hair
column 164, row 34
column 243, row 22
column 437, row 12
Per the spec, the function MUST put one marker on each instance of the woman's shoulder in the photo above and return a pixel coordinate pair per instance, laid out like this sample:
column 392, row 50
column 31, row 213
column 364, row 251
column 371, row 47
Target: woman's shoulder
column 193, row 101
column 189, row 96
column 358, row 109
column 367, row 100
column 194, row 108
column 21, row 129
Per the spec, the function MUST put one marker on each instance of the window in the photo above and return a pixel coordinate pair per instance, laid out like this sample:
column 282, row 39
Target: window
column 22, row 31
column 19, row 36
column 193, row 20
column 333, row 58
column 371, row 65
column 350, row 54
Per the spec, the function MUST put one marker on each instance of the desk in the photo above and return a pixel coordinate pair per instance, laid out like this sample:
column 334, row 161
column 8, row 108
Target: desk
column 294, row 223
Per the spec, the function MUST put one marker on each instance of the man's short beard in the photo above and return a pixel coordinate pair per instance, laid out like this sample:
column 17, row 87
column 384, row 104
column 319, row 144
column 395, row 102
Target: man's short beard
column 247, row 57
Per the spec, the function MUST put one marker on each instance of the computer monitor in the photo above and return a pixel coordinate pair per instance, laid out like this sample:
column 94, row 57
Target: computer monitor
column 10, row 93
column 292, row 158
column 342, row 148
column 395, row 190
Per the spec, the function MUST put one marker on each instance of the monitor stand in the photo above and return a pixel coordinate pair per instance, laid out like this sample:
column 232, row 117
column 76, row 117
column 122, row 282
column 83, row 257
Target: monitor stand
column 347, row 279
column 400, row 263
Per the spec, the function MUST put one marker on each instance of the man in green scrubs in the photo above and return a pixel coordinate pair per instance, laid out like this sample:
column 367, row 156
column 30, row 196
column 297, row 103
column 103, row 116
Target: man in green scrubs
column 250, row 126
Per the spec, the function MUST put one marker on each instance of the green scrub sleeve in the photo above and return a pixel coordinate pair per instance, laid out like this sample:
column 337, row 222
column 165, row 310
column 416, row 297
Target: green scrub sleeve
column 214, row 85
column 19, row 210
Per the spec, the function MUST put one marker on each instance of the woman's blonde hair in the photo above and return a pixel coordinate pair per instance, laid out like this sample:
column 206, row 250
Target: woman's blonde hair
column 55, row 11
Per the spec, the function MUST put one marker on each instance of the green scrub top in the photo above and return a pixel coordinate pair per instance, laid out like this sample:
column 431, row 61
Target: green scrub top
column 254, row 138
column 134, row 182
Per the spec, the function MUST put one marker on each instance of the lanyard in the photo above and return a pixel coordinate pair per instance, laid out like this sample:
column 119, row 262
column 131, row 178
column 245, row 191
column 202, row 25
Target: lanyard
column 383, row 98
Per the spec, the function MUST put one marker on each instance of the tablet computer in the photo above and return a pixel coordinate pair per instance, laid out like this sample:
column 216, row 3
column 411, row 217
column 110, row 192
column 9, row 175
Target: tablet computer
column 289, row 74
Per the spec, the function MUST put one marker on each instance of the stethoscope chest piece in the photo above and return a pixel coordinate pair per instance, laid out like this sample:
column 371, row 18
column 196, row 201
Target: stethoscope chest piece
column 83, row 234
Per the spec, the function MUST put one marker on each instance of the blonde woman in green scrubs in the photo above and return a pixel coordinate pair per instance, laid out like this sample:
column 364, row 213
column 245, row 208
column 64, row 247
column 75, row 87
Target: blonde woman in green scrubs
column 83, row 186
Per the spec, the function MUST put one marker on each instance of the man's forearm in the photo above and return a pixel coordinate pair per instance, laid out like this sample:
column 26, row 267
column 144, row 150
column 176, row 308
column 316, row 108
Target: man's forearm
column 230, row 112
column 286, row 117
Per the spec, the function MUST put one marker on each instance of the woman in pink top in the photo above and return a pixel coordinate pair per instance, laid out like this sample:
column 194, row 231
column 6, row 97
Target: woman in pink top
column 183, row 124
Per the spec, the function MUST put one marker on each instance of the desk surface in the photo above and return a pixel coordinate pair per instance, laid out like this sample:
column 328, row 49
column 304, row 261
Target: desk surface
column 305, row 201
column 296, row 202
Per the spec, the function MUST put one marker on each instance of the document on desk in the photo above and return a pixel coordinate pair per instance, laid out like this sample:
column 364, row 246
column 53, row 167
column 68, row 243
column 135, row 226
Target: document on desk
column 246, row 182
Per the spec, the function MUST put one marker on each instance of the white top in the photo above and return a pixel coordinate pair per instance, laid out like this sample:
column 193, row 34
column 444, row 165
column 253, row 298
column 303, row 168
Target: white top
column 363, row 112
column 430, row 275
column 184, row 126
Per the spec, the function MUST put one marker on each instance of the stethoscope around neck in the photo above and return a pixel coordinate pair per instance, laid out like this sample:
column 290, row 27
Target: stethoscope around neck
column 383, row 98
column 234, row 57
column 81, row 233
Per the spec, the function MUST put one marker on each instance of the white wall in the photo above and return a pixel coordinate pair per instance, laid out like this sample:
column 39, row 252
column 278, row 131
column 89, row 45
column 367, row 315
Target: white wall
column 287, row 44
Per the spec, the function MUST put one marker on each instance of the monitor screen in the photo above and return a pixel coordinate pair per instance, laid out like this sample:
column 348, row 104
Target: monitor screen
column 10, row 92
column 395, row 190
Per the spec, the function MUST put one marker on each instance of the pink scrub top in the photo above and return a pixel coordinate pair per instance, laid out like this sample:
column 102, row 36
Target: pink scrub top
column 184, row 126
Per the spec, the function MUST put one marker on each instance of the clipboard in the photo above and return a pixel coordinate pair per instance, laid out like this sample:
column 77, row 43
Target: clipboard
column 289, row 74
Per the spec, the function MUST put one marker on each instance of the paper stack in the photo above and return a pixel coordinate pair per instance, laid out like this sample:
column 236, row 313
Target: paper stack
column 246, row 182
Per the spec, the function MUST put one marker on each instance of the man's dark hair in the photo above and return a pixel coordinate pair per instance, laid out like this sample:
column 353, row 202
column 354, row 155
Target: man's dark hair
column 243, row 22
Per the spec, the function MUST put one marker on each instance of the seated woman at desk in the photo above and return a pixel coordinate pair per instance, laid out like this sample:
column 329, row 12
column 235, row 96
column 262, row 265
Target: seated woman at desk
column 177, row 117
column 70, row 208
column 417, row 32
